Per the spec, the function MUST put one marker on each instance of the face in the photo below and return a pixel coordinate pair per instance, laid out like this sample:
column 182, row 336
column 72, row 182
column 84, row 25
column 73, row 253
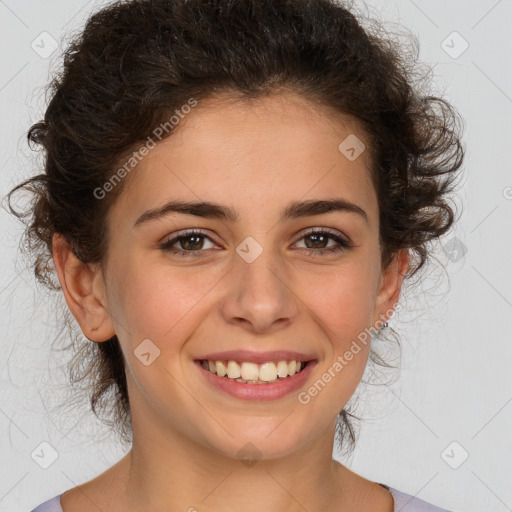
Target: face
column 256, row 281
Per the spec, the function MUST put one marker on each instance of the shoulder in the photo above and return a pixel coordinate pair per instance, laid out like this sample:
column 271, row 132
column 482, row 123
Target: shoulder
column 52, row 505
column 408, row 503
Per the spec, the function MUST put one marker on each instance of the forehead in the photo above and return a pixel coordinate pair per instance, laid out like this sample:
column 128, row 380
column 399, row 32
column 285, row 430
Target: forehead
column 265, row 151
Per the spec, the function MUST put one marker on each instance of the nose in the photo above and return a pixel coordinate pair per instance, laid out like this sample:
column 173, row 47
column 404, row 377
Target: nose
column 259, row 296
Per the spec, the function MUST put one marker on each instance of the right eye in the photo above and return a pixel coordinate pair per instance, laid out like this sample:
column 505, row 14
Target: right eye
column 189, row 240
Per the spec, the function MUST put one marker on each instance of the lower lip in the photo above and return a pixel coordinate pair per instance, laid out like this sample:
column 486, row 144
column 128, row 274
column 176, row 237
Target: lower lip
column 258, row 392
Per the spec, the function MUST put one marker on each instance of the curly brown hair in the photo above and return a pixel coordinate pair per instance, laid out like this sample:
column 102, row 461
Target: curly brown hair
column 138, row 61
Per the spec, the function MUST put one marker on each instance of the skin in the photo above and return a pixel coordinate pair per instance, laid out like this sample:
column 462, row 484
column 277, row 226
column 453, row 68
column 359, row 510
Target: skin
column 256, row 157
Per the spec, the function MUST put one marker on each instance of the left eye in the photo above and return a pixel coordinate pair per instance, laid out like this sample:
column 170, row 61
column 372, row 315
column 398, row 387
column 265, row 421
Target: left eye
column 192, row 241
column 321, row 236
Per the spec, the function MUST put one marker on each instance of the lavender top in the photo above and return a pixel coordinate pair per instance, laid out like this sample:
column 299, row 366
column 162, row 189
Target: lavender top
column 403, row 503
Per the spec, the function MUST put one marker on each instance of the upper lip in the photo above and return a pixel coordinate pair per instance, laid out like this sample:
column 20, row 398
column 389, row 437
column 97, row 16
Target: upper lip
column 256, row 357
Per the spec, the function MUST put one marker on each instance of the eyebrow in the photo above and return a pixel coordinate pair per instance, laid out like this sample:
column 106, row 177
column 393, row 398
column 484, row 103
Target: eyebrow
column 209, row 210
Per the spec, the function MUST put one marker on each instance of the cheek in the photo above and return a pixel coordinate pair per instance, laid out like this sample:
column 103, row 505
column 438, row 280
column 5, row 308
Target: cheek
column 159, row 302
column 342, row 302
column 342, row 299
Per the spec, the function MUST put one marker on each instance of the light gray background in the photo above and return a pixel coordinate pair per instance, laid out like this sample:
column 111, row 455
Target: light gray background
column 455, row 384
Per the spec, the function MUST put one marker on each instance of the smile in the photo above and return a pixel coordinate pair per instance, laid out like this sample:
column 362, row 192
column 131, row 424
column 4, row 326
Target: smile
column 263, row 381
column 252, row 373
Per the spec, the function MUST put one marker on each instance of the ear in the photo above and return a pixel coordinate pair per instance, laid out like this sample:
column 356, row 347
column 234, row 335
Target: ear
column 84, row 290
column 390, row 285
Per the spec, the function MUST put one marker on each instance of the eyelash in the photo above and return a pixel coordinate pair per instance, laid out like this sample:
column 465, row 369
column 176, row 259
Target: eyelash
column 343, row 244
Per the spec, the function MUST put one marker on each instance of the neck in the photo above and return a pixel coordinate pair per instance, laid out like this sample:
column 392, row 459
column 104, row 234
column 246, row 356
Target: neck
column 175, row 473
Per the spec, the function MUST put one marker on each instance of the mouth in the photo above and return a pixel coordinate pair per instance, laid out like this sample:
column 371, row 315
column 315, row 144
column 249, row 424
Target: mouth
column 247, row 372
column 268, row 380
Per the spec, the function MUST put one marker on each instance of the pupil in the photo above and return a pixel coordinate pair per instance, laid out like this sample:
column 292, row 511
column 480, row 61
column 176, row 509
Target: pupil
column 315, row 236
column 186, row 245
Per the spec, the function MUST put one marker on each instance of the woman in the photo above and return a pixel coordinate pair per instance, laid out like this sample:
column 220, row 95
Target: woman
column 234, row 193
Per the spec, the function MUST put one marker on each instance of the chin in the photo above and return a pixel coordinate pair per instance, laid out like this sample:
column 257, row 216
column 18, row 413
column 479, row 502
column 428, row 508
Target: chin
column 266, row 441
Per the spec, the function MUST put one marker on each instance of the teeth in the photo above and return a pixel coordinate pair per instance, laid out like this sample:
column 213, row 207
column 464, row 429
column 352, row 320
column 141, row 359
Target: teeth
column 233, row 370
column 249, row 371
column 268, row 372
column 254, row 373
column 220, row 368
column 282, row 369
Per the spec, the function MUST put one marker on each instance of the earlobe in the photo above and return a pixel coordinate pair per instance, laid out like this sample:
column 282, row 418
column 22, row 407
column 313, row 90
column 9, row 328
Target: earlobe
column 390, row 286
column 83, row 289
